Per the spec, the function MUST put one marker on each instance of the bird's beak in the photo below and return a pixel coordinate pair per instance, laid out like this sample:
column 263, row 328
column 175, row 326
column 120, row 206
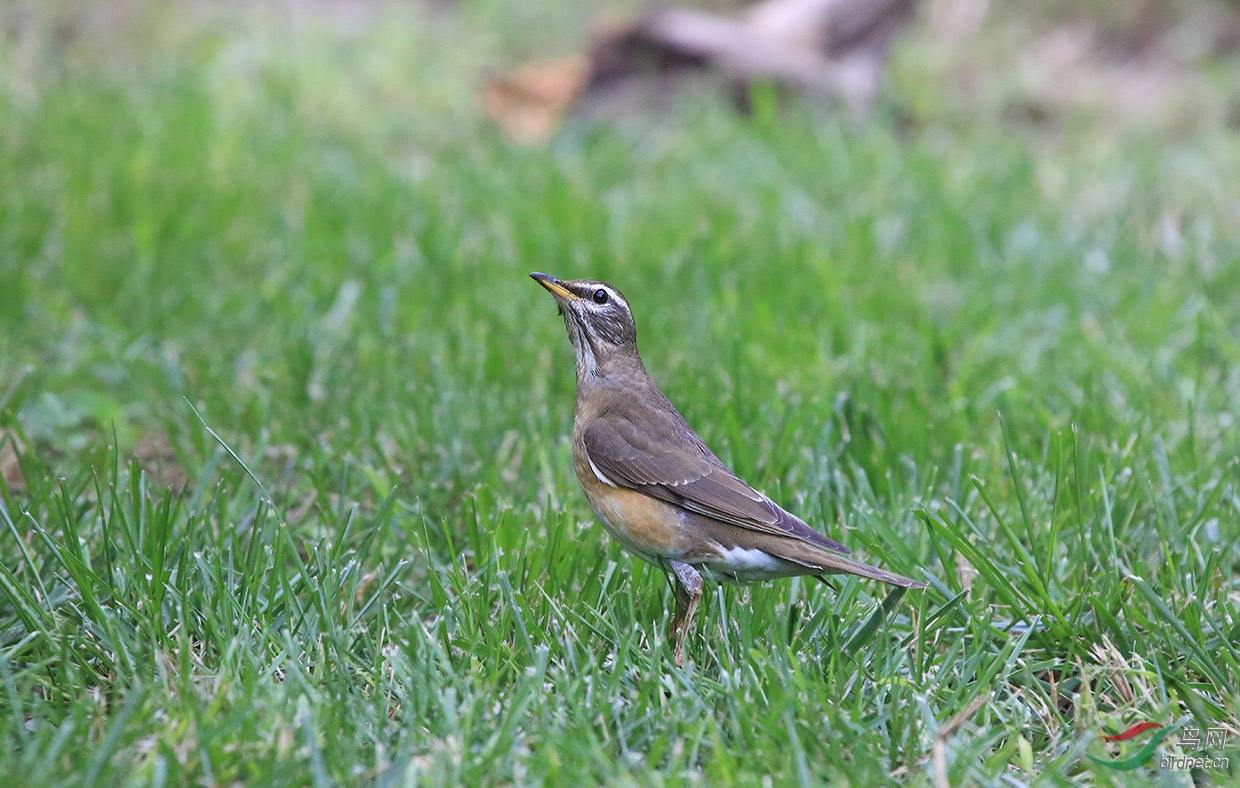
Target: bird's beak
column 553, row 286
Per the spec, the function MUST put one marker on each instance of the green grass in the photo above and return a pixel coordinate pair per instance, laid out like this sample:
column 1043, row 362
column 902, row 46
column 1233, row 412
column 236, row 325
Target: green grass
column 295, row 503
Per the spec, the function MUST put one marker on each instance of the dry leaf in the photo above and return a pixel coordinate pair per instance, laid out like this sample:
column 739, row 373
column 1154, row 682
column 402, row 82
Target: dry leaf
column 10, row 466
column 529, row 104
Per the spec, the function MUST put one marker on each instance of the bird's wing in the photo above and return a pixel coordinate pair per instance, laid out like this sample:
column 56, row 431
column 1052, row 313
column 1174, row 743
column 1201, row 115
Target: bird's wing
column 683, row 471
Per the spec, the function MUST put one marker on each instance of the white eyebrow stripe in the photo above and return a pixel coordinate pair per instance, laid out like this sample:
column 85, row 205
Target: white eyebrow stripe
column 611, row 292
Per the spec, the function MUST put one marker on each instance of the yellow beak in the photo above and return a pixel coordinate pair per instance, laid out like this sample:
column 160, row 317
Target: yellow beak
column 553, row 286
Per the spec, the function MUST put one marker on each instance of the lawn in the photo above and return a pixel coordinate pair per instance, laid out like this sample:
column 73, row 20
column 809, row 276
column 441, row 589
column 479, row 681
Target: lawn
column 286, row 492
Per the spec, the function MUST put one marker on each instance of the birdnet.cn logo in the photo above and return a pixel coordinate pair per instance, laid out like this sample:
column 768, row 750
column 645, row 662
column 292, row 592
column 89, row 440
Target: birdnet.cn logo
column 1191, row 740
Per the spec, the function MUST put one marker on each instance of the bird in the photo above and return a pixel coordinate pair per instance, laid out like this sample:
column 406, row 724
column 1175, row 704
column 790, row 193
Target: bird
column 656, row 487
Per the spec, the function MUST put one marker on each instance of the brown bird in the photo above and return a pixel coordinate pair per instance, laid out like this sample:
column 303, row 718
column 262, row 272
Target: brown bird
column 653, row 483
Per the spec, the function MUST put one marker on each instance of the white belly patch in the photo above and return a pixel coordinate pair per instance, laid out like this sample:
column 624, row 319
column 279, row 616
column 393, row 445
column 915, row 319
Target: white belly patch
column 743, row 560
column 747, row 565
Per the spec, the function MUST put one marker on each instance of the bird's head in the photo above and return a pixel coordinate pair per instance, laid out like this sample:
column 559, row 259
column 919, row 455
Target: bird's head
column 599, row 321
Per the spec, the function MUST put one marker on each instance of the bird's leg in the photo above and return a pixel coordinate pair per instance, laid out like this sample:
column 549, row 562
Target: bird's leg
column 688, row 588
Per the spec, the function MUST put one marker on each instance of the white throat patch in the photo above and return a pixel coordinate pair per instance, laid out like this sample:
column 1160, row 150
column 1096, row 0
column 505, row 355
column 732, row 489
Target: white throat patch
column 587, row 364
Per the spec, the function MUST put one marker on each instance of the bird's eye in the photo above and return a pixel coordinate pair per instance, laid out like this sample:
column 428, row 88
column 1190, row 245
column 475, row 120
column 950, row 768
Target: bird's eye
column 600, row 296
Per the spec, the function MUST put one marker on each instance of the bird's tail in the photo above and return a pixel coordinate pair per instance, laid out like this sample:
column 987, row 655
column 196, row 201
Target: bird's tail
column 809, row 557
column 838, row 565
column 830, row 563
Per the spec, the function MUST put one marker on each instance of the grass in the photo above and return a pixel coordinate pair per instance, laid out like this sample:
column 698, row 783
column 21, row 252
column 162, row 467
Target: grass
column 287, row 496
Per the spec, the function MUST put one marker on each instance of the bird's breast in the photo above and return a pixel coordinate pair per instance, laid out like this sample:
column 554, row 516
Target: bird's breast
column 649, row 528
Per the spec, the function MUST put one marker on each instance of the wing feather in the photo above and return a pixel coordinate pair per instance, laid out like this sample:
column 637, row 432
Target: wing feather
column 695, row 479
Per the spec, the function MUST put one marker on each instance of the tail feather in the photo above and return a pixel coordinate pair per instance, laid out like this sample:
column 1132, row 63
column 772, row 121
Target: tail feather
column 827, row 562
column 836, row 565
column 815, row 559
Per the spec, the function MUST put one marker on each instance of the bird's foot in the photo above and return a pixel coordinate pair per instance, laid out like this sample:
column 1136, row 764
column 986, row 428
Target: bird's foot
column 688, row 593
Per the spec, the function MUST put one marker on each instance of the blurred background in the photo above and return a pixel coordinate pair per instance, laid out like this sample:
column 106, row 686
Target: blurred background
column 313, row 221
column 271, row 166
column 1163, row 66
column 285, row 483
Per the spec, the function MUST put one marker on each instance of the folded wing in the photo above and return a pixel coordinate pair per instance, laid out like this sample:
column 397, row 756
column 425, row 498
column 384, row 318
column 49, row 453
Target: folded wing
column 694, row 479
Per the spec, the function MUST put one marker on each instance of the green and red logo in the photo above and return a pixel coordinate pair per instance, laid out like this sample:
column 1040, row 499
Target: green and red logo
column 1141, row 756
